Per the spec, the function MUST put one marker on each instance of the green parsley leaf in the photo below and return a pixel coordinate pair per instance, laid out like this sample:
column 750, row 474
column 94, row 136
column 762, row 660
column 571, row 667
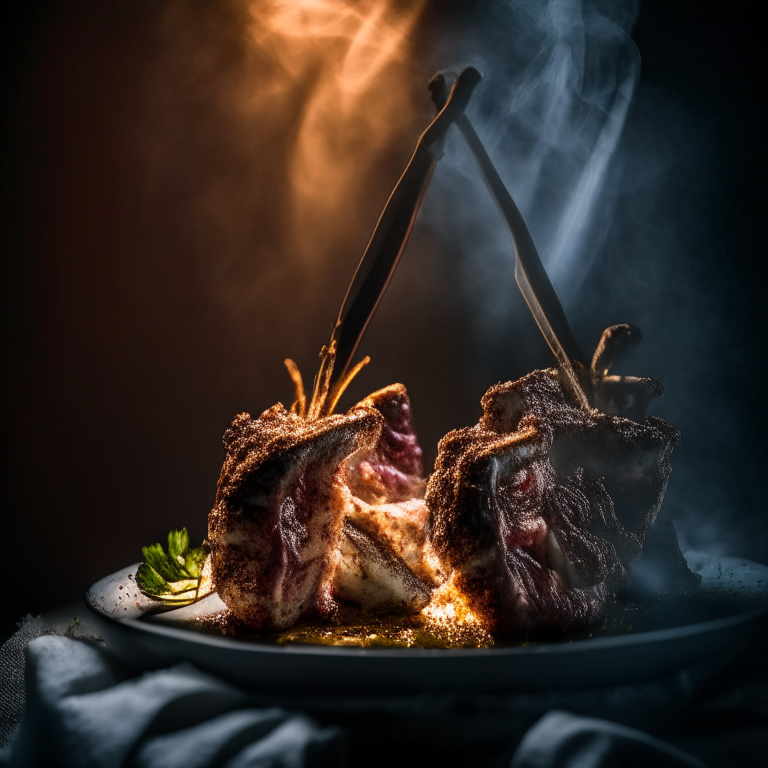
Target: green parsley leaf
column 178, row 544
column 170, row 569
column 173, row 577
column 194, row 562
column 150, row 581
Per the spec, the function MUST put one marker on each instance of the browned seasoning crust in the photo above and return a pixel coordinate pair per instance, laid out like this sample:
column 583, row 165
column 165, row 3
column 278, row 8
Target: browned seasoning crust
column 279, row 511
column 542, row 505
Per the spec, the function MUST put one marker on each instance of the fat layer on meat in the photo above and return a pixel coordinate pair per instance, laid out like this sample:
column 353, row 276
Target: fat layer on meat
column 385, row 562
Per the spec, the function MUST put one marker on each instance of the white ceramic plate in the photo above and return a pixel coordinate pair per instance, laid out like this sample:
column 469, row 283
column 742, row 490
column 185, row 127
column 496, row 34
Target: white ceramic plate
column 731, row 607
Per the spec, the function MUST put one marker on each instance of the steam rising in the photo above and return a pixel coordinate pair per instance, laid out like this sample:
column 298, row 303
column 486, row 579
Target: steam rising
column 264, row 129
column 559, row 80
column 346, row 64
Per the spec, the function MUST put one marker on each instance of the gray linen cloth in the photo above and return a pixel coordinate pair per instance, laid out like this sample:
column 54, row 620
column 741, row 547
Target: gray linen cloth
column 564, row 740
column 84, row 708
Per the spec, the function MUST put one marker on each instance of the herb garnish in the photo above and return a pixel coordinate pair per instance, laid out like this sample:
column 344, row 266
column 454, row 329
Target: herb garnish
column 179, row 576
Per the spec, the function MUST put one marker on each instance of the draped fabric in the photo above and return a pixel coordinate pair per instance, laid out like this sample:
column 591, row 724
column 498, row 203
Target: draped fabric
column 85, row 709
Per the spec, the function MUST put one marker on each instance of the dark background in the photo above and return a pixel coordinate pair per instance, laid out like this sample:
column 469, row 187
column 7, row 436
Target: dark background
column 124, row 361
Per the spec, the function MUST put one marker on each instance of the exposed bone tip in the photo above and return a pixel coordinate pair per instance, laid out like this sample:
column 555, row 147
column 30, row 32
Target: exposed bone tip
column 614, row 342
column 438, row 85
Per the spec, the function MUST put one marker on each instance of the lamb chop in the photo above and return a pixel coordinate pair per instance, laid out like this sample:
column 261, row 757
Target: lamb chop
column 279, row 512
column 288, row 537
column 542, row 506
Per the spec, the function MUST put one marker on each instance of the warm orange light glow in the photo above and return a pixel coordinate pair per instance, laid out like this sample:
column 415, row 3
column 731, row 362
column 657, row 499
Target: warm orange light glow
column 449, row 606
column 348, row 63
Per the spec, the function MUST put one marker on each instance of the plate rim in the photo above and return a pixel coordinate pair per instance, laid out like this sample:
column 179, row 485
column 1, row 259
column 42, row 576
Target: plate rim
column 642, row 638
